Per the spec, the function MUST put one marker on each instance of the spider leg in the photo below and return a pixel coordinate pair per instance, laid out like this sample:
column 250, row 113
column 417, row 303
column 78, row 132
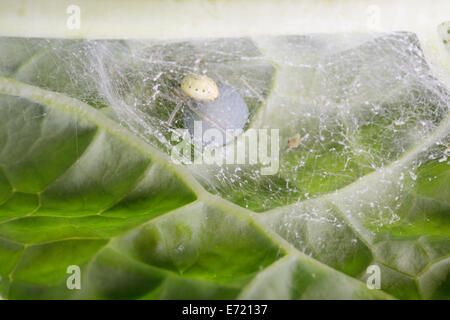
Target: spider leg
column 253, row 90
column 258, row 95
column 174, row 113
column 179, row 104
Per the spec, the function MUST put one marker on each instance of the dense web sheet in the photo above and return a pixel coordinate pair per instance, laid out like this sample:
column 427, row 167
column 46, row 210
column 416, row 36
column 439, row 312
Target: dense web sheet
column 357, row 102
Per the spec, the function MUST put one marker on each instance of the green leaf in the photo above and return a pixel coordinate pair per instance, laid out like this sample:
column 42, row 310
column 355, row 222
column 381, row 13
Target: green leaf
column 368, row 185
column 137, row 226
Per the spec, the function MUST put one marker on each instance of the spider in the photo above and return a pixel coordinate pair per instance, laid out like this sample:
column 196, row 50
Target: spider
column 209, row 101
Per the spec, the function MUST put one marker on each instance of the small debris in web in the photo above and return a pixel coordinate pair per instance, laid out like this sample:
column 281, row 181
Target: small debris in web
column 294, row 141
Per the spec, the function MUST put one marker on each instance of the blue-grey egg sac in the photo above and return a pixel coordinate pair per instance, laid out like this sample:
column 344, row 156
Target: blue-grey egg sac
column 229, row 111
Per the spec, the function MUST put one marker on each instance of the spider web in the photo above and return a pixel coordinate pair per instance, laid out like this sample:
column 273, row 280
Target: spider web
column 357, row 101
